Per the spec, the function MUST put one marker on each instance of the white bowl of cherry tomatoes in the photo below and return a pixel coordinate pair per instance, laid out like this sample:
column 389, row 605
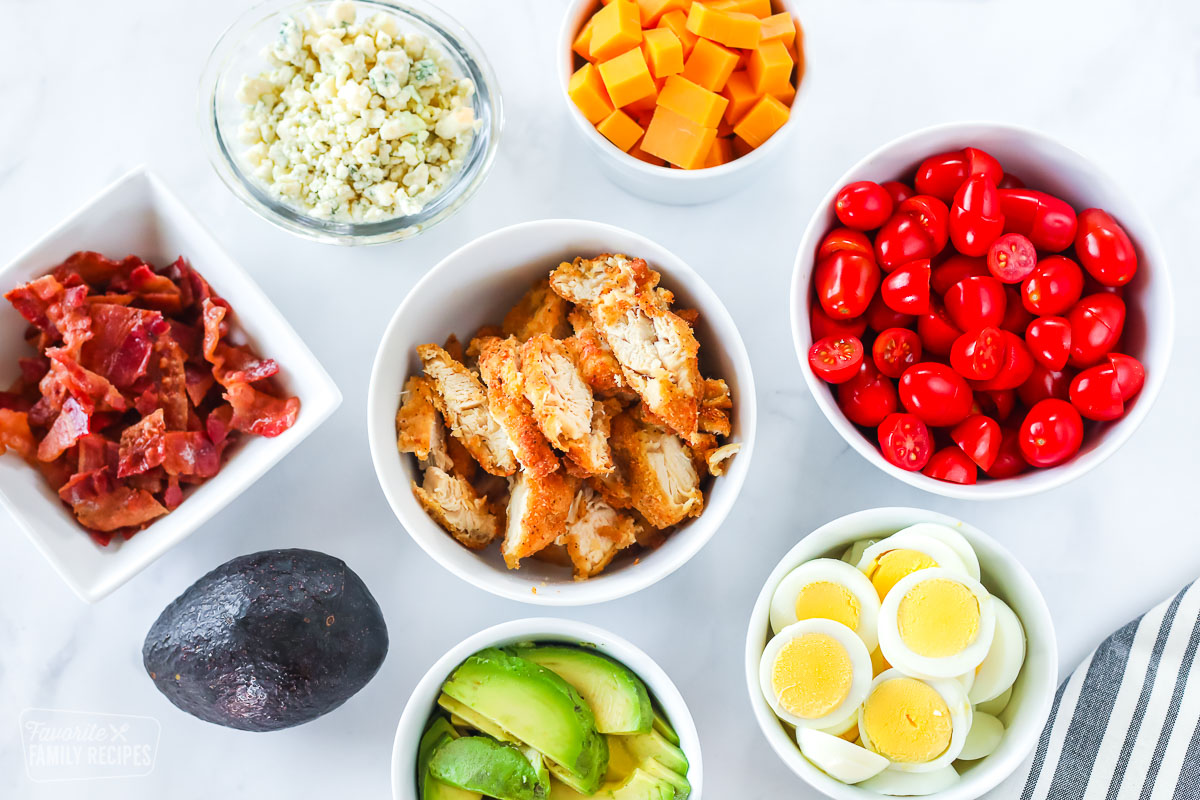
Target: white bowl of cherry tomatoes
column 981, row 312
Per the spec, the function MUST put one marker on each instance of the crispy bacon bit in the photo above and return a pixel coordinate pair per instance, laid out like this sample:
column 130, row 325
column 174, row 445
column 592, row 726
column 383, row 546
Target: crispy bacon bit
column 120, row 347
column 72, row 422
column 15, row 434
column 258, row 412
column 142, row 445
column 121, row 508
column 190, row 453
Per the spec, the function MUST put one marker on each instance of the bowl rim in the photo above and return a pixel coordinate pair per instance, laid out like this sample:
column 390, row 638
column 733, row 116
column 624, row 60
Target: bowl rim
column 1020, row 485
column 651, row 568
column 416, row 709
column 852, row 527
column 223, row 160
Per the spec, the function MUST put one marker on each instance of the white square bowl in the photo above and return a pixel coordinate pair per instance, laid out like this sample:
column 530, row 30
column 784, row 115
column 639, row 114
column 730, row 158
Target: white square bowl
column 138, row 215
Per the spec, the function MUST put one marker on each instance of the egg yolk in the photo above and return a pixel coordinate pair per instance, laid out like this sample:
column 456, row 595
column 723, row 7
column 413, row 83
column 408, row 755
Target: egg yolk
column 828, row 600
column 938, row 618
column 811, row 675
column 906, row 720
column 894, row 565
column 879, row 664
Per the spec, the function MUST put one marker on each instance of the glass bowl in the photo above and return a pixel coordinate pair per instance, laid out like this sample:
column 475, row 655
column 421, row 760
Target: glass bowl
column 241, row 51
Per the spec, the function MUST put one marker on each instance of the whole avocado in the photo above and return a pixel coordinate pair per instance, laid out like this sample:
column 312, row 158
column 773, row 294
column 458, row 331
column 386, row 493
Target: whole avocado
column 267, row 641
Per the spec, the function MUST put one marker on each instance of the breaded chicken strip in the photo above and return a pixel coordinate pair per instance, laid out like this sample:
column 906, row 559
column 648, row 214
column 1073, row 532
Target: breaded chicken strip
column 539, row 311
column 421, row 431
column 500, row 366
column 663, row 480
column 595, row 533
column 537, row 513
column 563, row 405
column 655, row 348
column 455, row 505
column 461, row 399
column 718, row 460
column 596, row 361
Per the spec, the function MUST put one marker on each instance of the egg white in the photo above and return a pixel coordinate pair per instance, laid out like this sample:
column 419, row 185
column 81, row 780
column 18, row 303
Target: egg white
column 860, row 665
column 996, row 706
column 911, row 784
column 955, row 698
column 855, row 551
column 945, row 555
column 837, row 758
column 898, row 653
column 983, row 738
column 1004, row 659
column 783, row 602
column 950, row 537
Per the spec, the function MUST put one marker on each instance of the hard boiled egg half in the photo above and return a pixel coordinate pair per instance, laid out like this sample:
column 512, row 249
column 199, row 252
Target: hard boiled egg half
column 919, row 725
column 937, row 623
column 826, row 588
column 837, row 758
column 815, row 673
column 923, row 546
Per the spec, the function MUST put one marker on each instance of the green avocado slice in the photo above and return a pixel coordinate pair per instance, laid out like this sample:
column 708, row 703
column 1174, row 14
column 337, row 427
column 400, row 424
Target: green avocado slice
column 662, row 726
column 471, row 719
column 617, row 697
column 481, row 764
column 654, row 746
column 438, row 733
column 679, row 784
column 638, row 785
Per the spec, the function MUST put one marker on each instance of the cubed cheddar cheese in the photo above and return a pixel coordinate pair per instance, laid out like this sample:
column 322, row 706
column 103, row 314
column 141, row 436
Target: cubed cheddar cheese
column 778, row 27
column 720, row 153
column 740, row 148
column 760, row 123
column 620, row 129
column 740, row 95
column 676, row 23
column 583, row 41
column 652, row 10
column 692, row 101
column 663, row 51
column 647, row 103
column 641, row 155
column 677, row 139
column 587, row 91
column 730, row 28
column 786, row 94
column 616, row 28
column 759, row 8
column 769, row 68
column 710, row 65
column 626, row 77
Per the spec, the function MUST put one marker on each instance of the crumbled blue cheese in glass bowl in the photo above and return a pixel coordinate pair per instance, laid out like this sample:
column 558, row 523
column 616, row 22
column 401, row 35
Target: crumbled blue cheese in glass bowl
column 355, row 121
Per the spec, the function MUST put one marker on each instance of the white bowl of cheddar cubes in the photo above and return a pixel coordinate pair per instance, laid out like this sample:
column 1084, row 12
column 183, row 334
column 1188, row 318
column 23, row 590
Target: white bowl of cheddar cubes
column 350, row 121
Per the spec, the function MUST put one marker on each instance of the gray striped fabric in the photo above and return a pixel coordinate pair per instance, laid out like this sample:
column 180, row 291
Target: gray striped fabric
column 1126, row 724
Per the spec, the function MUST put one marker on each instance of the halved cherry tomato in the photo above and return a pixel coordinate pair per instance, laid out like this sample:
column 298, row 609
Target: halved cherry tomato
column 1009, row 461
column 941, row 175
column 902, row 239
column 937, row 331
column 835, row 360
column 1104, row 249
column 975, row 303
column 1017, row 367
column 822, row 325
column 980, row 162
column 932, row 214
column 951, row 465
column 1049, row 223
column 906, row 288
column 1051, row 433
column 845, row 283
column 880, row 317
column 1096, row 325
column 1012, row 258
column 1055, row 285
column 1131, row 375
column 998, row 403
column 975, row 217
column 1043, row 383
column 935, row 393
column 1049, row 340
column 895, row 350
column 868, row 397
column 980, row 354
column 979, row 437
column 1097, row 394
column 1010, row 181
column 863, row 205
column 1016, row 318
column 905, row 441
column 954, row 269
column 899, row 191
column 845, row 239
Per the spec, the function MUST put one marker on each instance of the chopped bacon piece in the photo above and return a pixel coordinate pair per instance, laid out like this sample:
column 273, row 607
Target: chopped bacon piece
column 142, row 445
column 67, row 377
column 94, row 269
column 71, row 423
column 172, row 383
column 33, row 369
column 173, row 495
column 96, row 452
column 218, row 424
column 190, row 453
column 238, row 365
column 15, row 434
column 199, row 381
column 260, row 413
column 121, row 343
column 121, row 508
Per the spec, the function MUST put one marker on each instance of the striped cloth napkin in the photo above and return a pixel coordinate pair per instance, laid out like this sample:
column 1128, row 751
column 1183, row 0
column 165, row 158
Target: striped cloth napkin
column 1124, row 725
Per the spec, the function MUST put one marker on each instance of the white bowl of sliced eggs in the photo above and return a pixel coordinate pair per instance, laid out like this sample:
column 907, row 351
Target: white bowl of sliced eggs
column 901, row 652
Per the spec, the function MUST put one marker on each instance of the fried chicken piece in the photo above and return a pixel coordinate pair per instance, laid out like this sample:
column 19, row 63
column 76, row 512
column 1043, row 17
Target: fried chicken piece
column 419, row 425
column 454, row 504
column 500, row 366
column 462, row 400
column 689, row 315
column 538, row 311
column 655, row 347
column 595, row 533
column 537, row 513
column 596, row 361
column 563, row 405
column 663, row 481
column 718, row 460
column 484, row 333
column 716, row 394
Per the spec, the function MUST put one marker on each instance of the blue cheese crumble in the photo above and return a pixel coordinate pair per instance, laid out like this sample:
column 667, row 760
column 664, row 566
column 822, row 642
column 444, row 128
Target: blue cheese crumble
column 355, row 122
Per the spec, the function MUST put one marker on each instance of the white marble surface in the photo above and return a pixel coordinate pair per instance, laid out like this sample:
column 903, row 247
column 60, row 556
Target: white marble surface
column 112, row 85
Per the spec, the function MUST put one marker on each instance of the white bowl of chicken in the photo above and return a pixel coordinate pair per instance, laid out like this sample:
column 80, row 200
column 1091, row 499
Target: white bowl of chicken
column 585, row 425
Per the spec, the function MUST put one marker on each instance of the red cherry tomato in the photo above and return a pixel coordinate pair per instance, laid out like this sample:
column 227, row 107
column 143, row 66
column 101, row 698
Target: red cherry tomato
column 975, row 303
column 1009, row 461
column 938, row 333
column 1096, row 325
column 822, row 325
column 899, row 191
column 1010, row 181
column 1097, row 394
column 900, row 240
column 1104, row 249
column 845, row 239
column 980, row 162
column 1011, row 258
column 933, row 216
column 906, row 288
column 1016, row 318
column 880, row 317
column 951, row 465
column 1017, row 367
column 868, row 397
column 1043, row 383
column 935, row 393
column 906, row 441
column 835, row 360
column 941, row 175
column 863, row 205
column 1048, row 222
column 1055, row 285
column 979, row 437
column 980, row 354
column 975, row 218
column 1131, row 375
column 895, row 350
column 1051, row 433
column 1049, row 340
column 845, row 284
column 954, row 269
column 998, row 402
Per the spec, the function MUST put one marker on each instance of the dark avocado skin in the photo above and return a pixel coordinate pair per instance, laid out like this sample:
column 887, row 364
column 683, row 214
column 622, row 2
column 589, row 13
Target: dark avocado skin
column 267, row 641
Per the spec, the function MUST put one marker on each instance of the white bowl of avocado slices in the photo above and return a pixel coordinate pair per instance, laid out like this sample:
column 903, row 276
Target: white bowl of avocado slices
column 546, row 709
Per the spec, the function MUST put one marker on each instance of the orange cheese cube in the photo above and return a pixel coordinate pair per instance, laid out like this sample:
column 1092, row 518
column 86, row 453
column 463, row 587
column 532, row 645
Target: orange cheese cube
column 692, row 101
column 587, row 91
column 620, row 129
column 641, row 155
column 778, row 26
column 796, row 45
column 647, row 103
column 626, row 77
column 616, row 28
column 677, row 139
column 676, row 23
column 710, row 65
column 724, row 130
column 761, row 121
column 652, row 10
column 785, row 94
column 720, row 5
column 583, row 41
column 758, row 8
column 769, row 68
column 720, row 153
column 740, row 148
column 741, row 96
column 663, row 51
column 730, row 28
